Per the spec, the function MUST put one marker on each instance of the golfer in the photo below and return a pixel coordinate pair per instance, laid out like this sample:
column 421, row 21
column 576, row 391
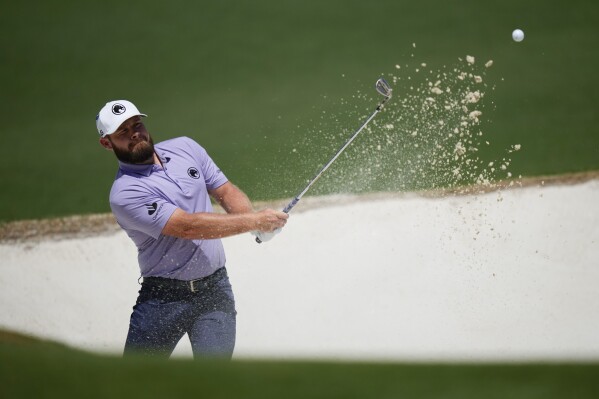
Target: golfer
column 161, row 198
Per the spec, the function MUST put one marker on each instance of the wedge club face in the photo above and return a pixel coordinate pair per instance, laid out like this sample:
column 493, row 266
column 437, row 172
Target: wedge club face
column 383, row 88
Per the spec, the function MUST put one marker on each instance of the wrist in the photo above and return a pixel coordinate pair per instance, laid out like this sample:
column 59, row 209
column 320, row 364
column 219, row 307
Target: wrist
column 254, row 221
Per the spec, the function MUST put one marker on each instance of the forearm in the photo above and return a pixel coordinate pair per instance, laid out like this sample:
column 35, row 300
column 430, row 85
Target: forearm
column 209, row 225
column 232, row 199
column 240, row 218
column 205, row 226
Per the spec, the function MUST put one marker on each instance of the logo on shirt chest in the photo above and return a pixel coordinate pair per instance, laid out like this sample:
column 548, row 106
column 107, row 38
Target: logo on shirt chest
column 193, row 173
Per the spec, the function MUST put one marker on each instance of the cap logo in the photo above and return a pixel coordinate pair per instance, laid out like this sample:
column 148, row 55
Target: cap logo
column 118, row 109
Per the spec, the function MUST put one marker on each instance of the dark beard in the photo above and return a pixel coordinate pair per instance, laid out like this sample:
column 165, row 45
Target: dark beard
column 143, row 153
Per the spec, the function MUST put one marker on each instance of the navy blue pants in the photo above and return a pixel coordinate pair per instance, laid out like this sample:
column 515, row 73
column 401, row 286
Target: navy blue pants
column 162, row 315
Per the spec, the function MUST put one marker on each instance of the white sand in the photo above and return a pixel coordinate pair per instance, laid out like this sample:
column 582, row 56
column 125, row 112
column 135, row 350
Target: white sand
column 507, row 276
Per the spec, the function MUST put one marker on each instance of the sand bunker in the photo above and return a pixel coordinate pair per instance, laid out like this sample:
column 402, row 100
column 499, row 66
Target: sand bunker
column 506, row 275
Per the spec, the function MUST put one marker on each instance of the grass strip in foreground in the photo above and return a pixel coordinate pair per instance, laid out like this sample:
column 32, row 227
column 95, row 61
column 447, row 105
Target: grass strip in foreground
column 33, row 369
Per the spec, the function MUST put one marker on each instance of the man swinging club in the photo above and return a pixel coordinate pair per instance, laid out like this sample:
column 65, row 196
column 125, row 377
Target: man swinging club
column 161, row 198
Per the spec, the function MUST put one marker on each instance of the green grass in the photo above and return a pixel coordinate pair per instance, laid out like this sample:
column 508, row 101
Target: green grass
column 250, row 81
column 34, row 369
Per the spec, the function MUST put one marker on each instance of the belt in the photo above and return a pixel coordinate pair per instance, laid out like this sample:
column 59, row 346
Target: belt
column 185, row 285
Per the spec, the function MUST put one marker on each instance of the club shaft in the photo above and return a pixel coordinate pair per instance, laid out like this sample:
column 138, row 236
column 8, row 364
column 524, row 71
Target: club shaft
column 339, row 152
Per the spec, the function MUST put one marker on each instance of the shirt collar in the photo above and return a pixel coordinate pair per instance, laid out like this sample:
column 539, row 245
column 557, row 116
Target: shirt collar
column 145, row 170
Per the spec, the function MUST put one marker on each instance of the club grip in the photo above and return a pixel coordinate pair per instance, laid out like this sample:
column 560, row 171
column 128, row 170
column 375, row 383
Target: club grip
column 290, row 205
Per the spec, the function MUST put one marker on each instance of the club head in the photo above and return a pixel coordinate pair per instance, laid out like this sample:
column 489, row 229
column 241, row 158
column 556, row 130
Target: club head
column 383, row 88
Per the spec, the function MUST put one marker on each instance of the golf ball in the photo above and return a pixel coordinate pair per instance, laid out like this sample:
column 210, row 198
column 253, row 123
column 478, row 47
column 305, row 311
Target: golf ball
column 518, row 35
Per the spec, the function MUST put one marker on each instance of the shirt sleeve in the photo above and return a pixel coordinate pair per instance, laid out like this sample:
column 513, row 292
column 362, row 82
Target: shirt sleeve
column 136, row 208
column 213, row 176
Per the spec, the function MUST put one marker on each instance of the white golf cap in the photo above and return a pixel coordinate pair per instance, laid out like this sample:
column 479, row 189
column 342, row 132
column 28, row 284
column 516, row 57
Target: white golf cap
column 113, row 114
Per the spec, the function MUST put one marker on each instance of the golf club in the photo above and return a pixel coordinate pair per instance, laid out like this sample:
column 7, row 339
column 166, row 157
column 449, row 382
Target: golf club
column 383, row 88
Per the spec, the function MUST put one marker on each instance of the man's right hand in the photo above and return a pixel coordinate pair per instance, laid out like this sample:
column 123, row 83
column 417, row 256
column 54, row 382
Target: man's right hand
column 269, row 220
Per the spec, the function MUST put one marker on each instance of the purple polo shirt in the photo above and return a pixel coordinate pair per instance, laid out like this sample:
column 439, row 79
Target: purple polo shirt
column 143, row 198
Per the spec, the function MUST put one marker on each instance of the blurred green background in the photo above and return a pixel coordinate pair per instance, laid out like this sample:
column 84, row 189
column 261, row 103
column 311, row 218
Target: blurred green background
column 254, row 81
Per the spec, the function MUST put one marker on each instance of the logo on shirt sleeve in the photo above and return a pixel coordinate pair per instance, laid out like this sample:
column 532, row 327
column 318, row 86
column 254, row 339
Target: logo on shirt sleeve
column 193, row 173
column 152, row 208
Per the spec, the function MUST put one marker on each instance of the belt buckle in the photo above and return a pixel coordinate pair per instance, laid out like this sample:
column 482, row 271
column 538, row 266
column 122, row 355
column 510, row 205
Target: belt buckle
column 192, row 286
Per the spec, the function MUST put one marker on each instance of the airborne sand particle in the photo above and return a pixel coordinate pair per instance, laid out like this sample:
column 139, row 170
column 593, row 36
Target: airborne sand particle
column 427, row 137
